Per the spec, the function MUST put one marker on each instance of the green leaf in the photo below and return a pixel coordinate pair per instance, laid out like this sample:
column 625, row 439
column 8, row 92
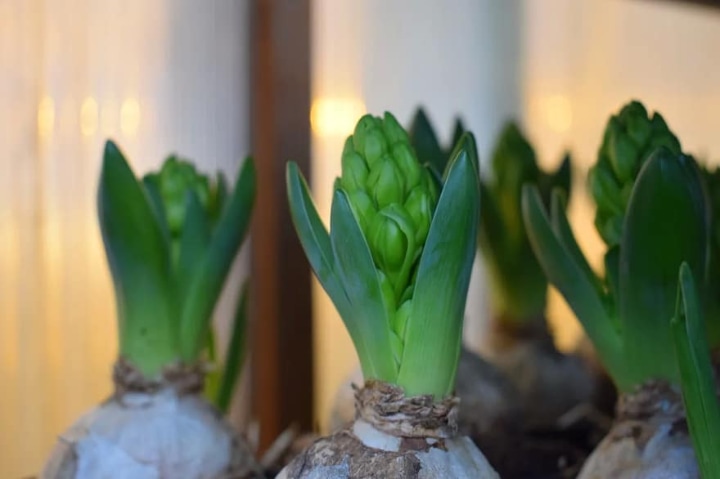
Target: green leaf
column 458, row 132
column 221, row 197
column 314, row 237
column 562, row 178
column 666, row 224
column 563, row 232
column 425, row 142
column 492, row 235
column 235, row 357
column 194, row 244
column 697, row 374
column 570, row 278
column 150, row 183
column 612, row 280
column 139, row 262
column 365, row 317
column 434, row 329
column 207, row 283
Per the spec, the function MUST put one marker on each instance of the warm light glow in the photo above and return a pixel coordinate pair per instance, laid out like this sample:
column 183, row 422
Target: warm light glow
column 109, row 117
column 130, row 117
column 557, row 112
column 335, row 116
column 88, row 117
column 46, row 117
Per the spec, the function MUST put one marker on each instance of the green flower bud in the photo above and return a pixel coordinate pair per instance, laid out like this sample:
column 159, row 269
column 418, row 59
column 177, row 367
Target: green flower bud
column 606, row 190
column 363, row 208
column 623, row 156
column 629, row 139
column 393, row 198
column 385, row 183
column 366, row 123
column 419, row 206
column 176, row 179
column 393, row 131
column 389, row 244
column 609, row 228
column 375, row 146
column 638, row 129
column 408, row 164
column 354, row 172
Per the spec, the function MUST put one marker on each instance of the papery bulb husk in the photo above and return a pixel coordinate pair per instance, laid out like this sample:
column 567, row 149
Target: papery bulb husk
column 649, row 439
column 152, row 430
column 394, row 436
column 549, row 383
column 487, row 400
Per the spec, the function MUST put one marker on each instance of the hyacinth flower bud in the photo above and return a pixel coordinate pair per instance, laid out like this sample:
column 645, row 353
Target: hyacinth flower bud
column 419, row 206
column 385, row 183
column 393, row 198
column 176, row 179
column 364, row 208
column 630, row 138
column 354, row 171
column 389, row 245
column 407, row 164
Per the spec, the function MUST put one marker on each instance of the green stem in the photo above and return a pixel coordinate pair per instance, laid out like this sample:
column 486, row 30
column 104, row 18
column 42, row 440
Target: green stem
column 235, row 358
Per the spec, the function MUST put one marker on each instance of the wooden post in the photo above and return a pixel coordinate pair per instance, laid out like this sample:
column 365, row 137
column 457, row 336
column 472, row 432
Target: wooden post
column 282, row 384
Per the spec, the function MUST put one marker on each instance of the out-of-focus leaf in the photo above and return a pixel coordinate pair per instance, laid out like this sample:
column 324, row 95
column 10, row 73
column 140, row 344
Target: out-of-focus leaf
column 139, row 262
column 571, row 279
column 211, row 273
column 665, row 225
column 697, row 375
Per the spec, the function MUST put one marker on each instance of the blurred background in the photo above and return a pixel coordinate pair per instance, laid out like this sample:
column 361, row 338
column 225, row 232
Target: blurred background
column 285, row 79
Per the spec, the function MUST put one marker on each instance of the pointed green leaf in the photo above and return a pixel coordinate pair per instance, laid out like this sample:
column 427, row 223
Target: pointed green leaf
column 313, row 236
column 194, row 244
column 211, row 273
column 425, row 142
column 697, row 374
column 562, row 178
column 570, row 279
column 365, row 317
column 492, row 236
column 220, row 197
column 612, row 282
column 665, row 224
column 434, row 329
column 139, row 263
column 150, row 183
column 457, row 133
column 235, row 357
column 564, row 234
